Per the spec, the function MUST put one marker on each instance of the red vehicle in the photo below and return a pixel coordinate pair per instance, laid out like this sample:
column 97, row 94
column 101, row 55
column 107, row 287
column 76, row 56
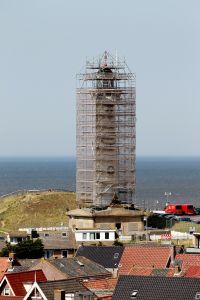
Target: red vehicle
column 188, row 209
column 180, row 209
column 175, row 209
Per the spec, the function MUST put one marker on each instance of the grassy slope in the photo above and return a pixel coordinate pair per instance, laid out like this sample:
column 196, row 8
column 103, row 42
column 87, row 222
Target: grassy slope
column 35, row 210
column 185, row 227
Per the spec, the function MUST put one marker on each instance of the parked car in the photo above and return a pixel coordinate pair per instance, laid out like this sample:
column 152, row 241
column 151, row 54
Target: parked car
column 195, row 221
column 183, row 219
column 197, row 210
column 168, row 217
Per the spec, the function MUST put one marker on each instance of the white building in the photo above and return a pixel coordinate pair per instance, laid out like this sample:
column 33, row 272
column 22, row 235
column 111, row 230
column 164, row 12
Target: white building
column 95, row 235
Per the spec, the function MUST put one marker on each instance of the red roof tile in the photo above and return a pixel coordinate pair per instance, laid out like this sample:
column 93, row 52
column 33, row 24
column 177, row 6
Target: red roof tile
column 143, row 256
column 16, row 280
column 11, row 298
column 171, row 272
column 3, row 266
column 140, row 271
column 103, row 288
column 193, row 272
column 188, row 260
column 149, row 271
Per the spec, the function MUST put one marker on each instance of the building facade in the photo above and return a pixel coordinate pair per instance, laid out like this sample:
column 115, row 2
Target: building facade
column 123, row 221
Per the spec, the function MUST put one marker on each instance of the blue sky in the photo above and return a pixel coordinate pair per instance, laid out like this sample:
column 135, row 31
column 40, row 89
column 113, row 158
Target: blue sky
column 45, row 43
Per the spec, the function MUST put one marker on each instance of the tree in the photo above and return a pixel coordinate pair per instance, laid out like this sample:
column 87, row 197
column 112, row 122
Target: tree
column 25, row 249
column 156, row 221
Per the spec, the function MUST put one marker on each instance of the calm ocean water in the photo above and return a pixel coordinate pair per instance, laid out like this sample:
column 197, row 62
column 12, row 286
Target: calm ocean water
column 155, row 176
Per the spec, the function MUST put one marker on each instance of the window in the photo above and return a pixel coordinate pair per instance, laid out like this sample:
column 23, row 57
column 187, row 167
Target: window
column 46, row 234
column 92, row 236
column 190, row 206
column 64, row 253
column 107, row 235
column 6, row 292
column 197, row 296
column 98, row 235
column 48, row 253
column 118, row 225
column 69, row 296
column 134, row 294
column 116, row 255
column 178, row 207
column 84, row 236
column 64, row 234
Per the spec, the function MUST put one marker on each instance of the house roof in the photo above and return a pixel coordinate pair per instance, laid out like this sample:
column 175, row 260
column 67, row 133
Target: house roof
column 58, row 241
column 110, row 211
column 50, row 271
column 109, row 257
column 68, row 285
column 192, row 272
column 16, row 280
column 3, row 266
column 101, row 287
column 118, row 211
column 23, row 265
column 18, row 234
column 165, row 272
column 79, row 267
column 140, row 271
column 188, row 260
column 156, row 288
column 144, row 256
column 80, row 212
column 149, row 271
column 11, row 297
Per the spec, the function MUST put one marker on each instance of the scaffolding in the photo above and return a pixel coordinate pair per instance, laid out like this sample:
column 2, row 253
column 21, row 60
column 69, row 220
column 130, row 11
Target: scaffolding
column 106, row 136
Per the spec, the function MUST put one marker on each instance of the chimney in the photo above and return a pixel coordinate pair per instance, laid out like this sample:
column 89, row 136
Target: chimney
column 11, row 260
column 177, row 269
column 12, row 256
column 59, row 295
column 173, row 254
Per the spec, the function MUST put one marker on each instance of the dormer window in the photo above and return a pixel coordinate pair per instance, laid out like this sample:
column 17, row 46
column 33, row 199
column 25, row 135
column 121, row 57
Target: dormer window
column 6, row 292
column 197, row 296
column 134, row 294
column 116, row 255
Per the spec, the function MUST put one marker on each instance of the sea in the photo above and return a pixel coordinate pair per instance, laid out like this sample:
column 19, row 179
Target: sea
column 159, row 179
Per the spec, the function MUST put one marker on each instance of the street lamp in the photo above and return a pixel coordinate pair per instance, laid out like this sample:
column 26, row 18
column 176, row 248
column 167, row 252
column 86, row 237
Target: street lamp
column 156, row 204
column 167, row 194
column 146, row 226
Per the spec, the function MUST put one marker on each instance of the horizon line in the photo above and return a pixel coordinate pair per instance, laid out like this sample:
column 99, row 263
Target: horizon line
column 74, row 156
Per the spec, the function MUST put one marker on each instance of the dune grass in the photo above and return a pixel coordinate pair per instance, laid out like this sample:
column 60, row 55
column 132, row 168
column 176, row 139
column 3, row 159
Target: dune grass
column 186, row 226
column 40, row 209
